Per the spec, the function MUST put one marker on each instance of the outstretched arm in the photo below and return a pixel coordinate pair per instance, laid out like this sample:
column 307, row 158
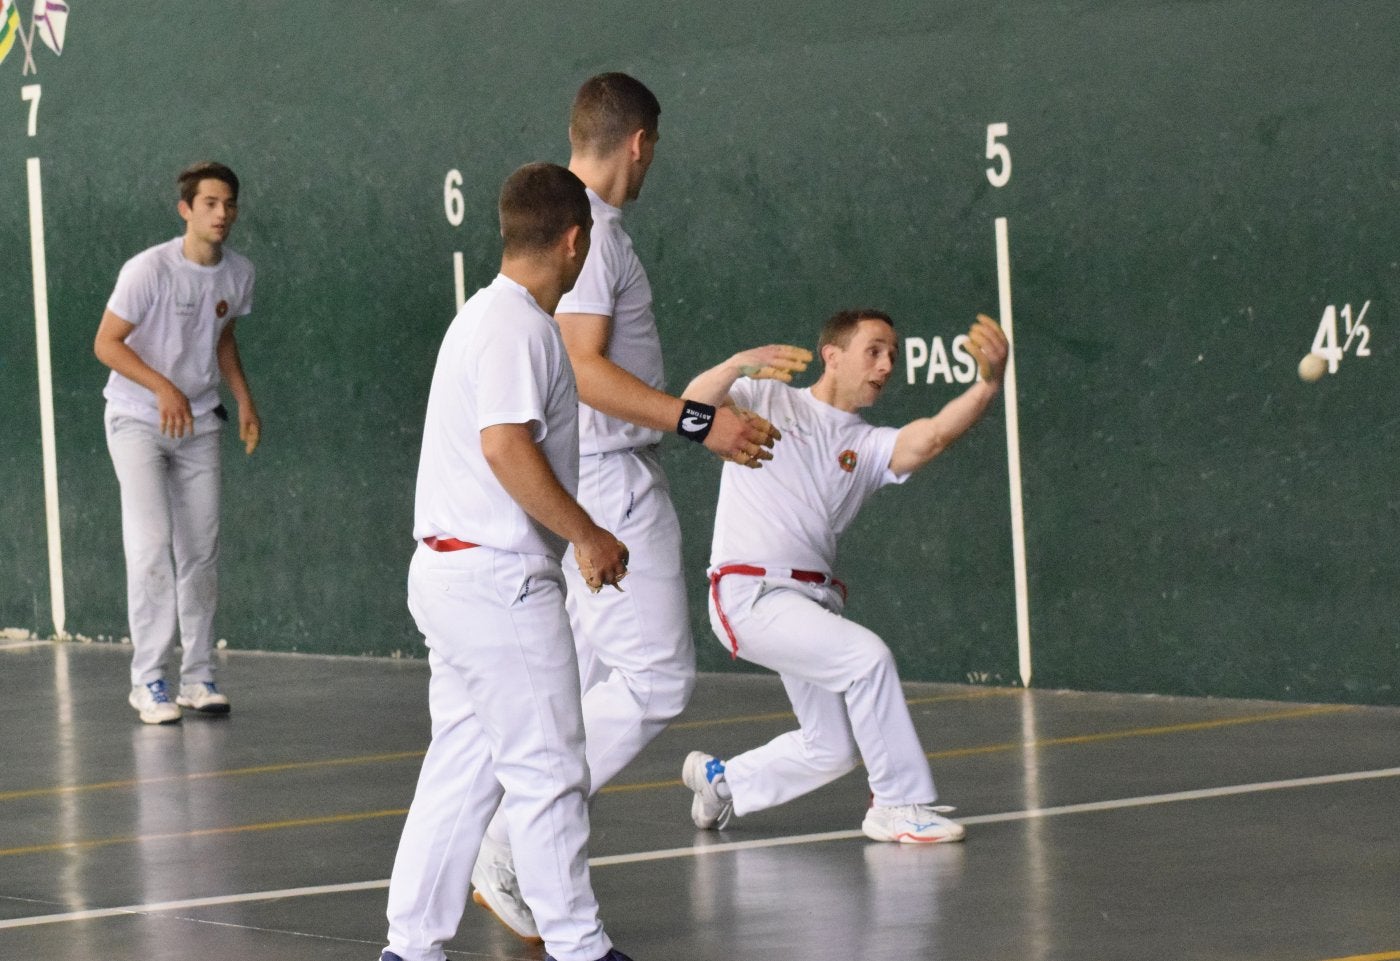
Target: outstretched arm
column 922, row 440
column 605, row 386
column 773, row 362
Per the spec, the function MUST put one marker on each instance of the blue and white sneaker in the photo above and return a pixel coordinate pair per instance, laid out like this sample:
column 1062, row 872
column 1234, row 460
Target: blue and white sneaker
column 152, row 701
column 713, row 804
column 203, row 697
column 911, row 824
column 613, row 955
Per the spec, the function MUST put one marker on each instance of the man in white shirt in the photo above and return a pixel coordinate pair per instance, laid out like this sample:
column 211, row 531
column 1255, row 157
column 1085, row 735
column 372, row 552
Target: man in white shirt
column 493, row 513
column 635, row 649
column 775, row 601
column 168, row 335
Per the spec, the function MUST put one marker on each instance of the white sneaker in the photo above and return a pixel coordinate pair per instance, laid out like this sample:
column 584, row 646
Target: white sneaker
column 152, row 702
column 203, row 697
column 496, row 889
column 704, row 773
column 911, row 824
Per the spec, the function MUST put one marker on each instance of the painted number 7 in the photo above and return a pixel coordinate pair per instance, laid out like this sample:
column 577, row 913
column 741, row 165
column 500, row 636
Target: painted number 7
column 31, row 92
column 996, row 151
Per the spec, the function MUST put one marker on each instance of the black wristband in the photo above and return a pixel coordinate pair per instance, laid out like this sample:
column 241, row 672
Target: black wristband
column 696, row 420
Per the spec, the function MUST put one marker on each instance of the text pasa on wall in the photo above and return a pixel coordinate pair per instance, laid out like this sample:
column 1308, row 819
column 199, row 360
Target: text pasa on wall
column 929, row 361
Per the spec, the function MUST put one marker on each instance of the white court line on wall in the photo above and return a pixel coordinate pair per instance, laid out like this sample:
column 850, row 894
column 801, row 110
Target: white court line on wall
column 46, row 427
column 1013, row 459
column 728, row 847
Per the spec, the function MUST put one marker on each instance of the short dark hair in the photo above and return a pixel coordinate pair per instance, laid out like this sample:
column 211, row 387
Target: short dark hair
column 608, row 109
column 539, row 202
column 841, row 327
column 192, row 175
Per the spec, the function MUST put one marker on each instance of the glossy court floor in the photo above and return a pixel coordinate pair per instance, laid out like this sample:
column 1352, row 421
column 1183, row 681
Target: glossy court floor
column 1100, row 827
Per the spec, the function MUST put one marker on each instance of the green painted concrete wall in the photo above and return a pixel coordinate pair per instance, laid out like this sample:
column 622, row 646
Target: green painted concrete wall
column 1193, row 187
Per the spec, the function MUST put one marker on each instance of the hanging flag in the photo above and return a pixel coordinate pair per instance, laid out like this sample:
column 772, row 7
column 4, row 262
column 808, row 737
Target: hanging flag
column 51, row 20
column 9, row 26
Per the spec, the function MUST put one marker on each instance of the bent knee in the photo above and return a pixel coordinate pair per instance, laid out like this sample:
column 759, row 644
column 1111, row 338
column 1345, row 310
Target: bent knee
column 670, row 690
column 833, row 759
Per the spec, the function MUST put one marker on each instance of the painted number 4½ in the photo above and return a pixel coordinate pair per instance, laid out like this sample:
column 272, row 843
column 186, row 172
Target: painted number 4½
column 1327, row 343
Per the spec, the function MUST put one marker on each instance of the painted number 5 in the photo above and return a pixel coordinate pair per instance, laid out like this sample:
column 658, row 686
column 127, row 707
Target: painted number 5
column 997, row 152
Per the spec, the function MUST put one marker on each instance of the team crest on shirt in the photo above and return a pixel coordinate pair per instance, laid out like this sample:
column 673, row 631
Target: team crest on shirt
column 221, row 308
column 847, row 460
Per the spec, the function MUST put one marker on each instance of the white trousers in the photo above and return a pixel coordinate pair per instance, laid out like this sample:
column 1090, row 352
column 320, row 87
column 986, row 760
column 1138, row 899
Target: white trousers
column 507, row 731
column 844, row 687
column 635, row 650
column 170, row 535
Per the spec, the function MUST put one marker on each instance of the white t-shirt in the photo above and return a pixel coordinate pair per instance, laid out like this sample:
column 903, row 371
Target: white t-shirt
column 501, row 362
column 790, row 512
column 179, row 309
column 614, row 284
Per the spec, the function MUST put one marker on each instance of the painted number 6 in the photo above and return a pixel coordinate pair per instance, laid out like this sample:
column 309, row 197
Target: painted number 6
column 996, row 151
column 453, row 203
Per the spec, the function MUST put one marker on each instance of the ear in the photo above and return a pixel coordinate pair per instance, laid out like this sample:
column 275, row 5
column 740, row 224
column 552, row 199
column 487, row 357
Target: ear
column 634, row 144
column 829, row 351
column 184, row 209
column 571, row 240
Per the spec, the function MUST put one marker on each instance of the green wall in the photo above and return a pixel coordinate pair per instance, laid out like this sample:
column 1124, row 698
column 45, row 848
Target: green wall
column 1193, row 184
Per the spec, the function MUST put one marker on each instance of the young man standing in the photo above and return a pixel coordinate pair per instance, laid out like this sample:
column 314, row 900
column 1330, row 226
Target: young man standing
column 168, row 335
column 493, row 513
column 635, row 650
column 775, row 602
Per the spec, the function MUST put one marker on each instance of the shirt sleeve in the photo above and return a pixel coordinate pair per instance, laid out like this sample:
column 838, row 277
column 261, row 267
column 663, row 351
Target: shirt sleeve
column 595, row 291
column 245, row 306
column 879, row 450
column 742, row 392
column 135, row 292
column 510, row 370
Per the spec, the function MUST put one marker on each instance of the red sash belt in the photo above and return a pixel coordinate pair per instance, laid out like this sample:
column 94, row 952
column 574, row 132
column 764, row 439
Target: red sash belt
column 444, row 544
column 806, row 577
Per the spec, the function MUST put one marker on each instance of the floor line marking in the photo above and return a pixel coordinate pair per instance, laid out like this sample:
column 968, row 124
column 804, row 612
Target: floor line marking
column 789, row 715
column 205, row 832
column 399, row 755
column 729, row 847
column 1181, row 728
column 205, row 775
column 948, row 754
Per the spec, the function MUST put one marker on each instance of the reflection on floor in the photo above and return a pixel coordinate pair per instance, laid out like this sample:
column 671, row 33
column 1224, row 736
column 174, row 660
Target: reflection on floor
column 1100, row 827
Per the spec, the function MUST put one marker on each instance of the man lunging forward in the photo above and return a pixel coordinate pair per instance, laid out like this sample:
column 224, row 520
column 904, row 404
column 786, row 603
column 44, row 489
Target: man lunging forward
column 774, row 599
column 635, row 650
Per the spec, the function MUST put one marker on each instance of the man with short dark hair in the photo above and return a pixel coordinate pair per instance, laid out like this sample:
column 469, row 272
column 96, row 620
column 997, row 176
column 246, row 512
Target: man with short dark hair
column 168, row 335
column 774, row 598
column 494, row 510
column 635, row 647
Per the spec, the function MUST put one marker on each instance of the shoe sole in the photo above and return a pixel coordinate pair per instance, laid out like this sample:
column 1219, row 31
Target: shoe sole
column 480, row 900
column 147, row 719
column 207, row 709
column 907, row 838
column 151, row 718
